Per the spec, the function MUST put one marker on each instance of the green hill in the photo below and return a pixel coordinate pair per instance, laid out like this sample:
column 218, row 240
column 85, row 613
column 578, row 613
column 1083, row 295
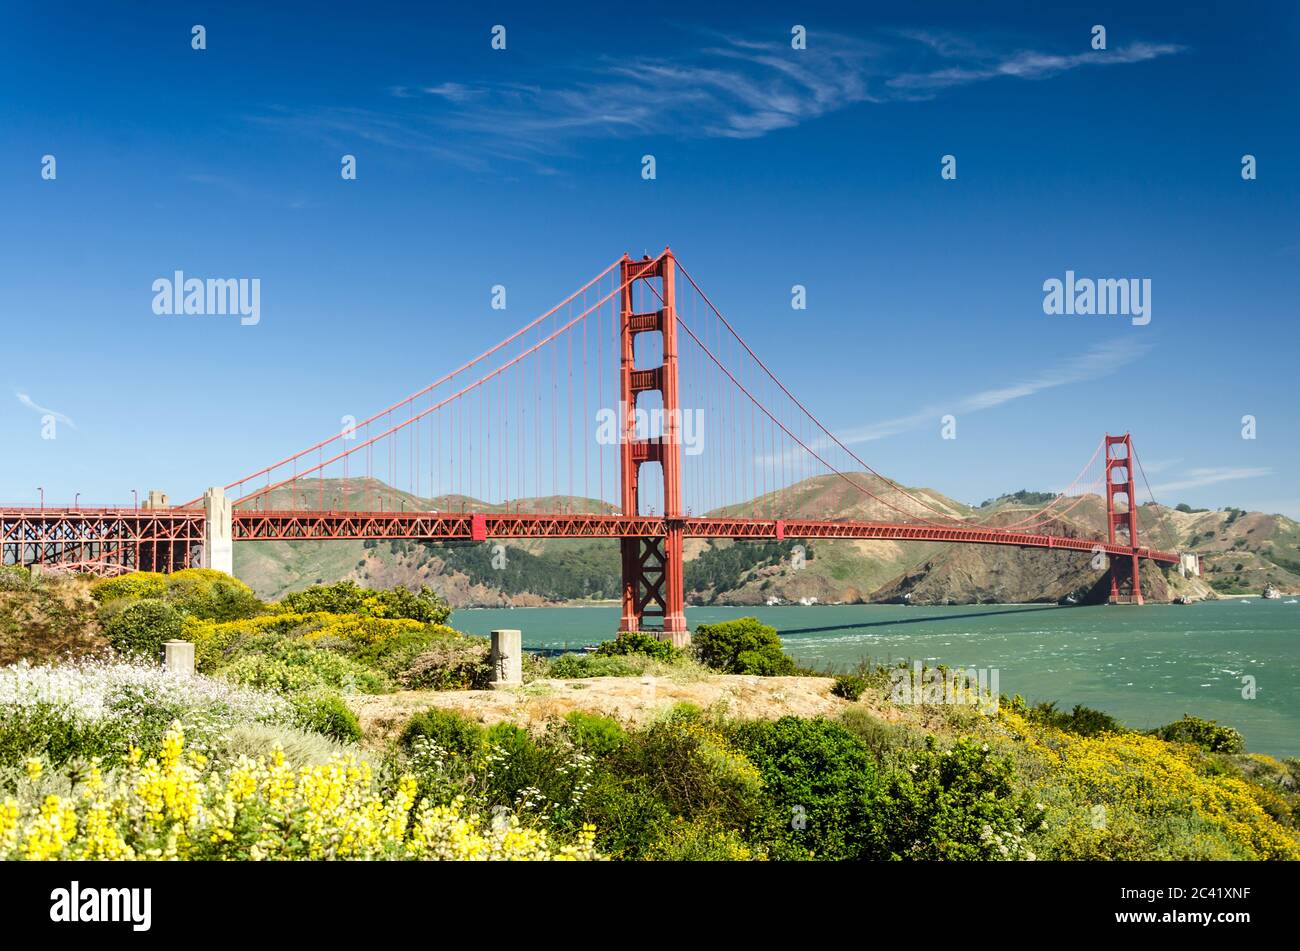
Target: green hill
column 1243, row 551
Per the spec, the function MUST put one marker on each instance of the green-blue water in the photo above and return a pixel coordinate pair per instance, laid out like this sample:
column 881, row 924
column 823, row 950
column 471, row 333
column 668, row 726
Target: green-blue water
column 1145, row 665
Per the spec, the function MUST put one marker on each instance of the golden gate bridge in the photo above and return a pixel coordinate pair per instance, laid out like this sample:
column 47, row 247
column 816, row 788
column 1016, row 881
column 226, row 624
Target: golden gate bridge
column 631, row 410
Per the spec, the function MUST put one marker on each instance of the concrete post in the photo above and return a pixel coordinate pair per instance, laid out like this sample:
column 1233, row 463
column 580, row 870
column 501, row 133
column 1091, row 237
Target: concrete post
column 507, row 659
column 178, row 657
column 1189, row 564
column 218, row 541
column 679, row 639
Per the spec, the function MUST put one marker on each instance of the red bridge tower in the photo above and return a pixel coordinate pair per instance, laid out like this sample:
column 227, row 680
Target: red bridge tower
column 1125, row 583
column 653, row 583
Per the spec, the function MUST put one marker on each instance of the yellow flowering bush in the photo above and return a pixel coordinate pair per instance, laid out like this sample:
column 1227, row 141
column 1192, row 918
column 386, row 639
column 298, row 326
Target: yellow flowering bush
column 177, row 806
column 134, row 586
column 202, row 592
column 1154, row 779
column 215, row 641
column 359, row 629
column 703, row 841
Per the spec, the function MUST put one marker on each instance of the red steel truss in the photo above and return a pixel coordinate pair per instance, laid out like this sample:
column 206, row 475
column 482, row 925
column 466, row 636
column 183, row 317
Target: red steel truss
column 164, row 540
column 101, row 541
column 467, row 526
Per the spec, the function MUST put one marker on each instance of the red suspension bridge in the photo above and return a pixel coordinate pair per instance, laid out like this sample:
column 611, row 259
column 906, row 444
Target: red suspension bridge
column 631, row 410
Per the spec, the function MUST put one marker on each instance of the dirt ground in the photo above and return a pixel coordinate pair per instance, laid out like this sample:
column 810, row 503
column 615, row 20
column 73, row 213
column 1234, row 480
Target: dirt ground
column 633, row 700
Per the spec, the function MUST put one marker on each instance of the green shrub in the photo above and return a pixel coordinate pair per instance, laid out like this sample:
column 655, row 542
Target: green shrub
column 425, row 606
column 691, row 767
column 135, row 586
column 346, row 597
column 60, row 737
column 325, row 713
column 451, row 731
column 742, row 646
column 679, row 770
column 704, row 841
column 765, row 663
column 212, row 595
column 543, row 778
column 536, row 667
column 578, row 666
column 599, row 736
column 1082, row 720
column 885, row 740
column 629, row 816
column 45, row 730
column 1206, row 734
column 140, row 628
column 849, row 686
column 199, row 592
column 639, row 642
column 393, row 653
column 820, row 780
column 957, row 804
column 297, row 667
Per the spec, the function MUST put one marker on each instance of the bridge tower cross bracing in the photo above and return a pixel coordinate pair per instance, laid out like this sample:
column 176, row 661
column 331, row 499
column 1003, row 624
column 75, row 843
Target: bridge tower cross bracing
column 1119, row 482
column 653, row 580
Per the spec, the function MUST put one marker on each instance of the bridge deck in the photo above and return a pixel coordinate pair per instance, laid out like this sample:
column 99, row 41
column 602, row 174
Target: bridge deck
column 103, row 525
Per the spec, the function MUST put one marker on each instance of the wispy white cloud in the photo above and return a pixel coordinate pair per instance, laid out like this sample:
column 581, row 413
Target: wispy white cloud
column 1026, row 64
column 1099, row 361
column 44, row 411
column 1195, row 478
column 730, row 87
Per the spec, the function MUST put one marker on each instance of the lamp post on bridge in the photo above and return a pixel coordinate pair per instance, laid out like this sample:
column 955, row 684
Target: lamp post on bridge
column 76, row 500
column 41, row 489
column 135, row 499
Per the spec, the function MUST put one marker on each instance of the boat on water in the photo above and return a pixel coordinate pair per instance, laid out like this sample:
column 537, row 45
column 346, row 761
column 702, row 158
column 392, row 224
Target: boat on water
column 1181, row 599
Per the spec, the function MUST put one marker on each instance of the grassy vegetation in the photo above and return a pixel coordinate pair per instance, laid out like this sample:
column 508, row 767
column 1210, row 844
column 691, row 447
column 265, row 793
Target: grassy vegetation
column 258, row 756
column 306, row 652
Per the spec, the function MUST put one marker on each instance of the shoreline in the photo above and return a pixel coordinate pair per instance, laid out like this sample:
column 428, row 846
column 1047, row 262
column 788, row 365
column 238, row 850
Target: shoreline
column 880, row 604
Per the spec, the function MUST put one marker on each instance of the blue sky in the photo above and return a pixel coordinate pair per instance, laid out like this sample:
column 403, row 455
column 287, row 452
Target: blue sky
column 775, row 167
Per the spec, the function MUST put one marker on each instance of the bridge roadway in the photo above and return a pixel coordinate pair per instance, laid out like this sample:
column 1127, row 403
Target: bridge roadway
column 74, row 527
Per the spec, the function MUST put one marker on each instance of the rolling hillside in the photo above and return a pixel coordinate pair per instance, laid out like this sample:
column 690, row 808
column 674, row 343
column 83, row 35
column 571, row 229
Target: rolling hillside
column 1242, row 552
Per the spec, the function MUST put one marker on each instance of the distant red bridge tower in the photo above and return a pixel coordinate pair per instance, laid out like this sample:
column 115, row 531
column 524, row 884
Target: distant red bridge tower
column 1125, row 582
